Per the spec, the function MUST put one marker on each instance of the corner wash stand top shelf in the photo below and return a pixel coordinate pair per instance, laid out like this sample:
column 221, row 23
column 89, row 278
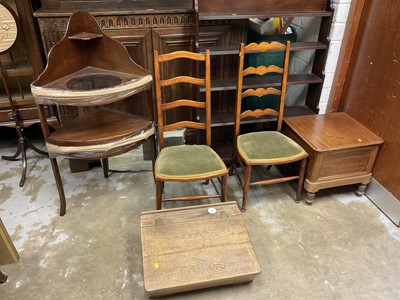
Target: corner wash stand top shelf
column 86, row 68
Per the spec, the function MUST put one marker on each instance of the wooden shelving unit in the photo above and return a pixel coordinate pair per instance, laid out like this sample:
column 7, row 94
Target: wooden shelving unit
column 216, row 10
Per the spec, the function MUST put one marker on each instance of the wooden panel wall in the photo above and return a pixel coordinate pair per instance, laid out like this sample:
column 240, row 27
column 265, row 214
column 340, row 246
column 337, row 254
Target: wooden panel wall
column 371, row 93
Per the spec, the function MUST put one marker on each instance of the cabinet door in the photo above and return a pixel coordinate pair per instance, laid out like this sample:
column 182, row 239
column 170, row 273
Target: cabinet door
column 138, row 43
column 166, row 40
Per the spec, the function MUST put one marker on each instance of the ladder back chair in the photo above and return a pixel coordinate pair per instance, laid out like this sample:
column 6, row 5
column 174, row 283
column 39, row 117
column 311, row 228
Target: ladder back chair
column 264, row 148
column 186, row 163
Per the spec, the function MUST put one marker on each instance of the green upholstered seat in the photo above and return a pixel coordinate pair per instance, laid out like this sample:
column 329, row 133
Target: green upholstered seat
column 268, row 147
column 190, row 162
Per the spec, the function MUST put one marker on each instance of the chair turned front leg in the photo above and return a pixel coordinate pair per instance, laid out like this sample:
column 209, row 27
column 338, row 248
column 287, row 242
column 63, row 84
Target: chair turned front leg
column 300, row 182
column 59, row 184
column 159, row 192
column 246, row 185
column 224, row 180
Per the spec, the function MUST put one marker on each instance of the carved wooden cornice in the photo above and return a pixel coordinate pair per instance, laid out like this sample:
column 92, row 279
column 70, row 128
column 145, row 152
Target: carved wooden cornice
column 53, row 28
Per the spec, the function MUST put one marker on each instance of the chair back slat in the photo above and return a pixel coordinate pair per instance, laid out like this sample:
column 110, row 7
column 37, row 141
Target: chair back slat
column 184, row 124
column 164, row 105
column 183, row 102
column 182, row 79
column 241, row 111
column 259, row 113
column 262, row 70
column 182, row 54
column 265, row 47
column 261, row 92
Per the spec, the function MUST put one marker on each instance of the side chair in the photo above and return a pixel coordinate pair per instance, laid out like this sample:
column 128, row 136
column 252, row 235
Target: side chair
column 264, row 148
column 186, row 163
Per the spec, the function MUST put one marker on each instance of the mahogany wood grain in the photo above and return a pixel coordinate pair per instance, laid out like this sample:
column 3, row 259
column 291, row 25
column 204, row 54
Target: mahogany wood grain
column 87, row 70
column 69, row 55
column 99, row 126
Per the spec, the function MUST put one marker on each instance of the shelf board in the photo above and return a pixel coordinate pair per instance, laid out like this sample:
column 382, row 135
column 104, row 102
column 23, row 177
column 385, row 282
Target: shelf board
column 287, row 14
column 22, row 71
column 85, row 36
column 228, row 118
column 230, row 50
column 17, row 68
column 220, row 50
column 26, row 99
column 300, row 46
column 256, row 82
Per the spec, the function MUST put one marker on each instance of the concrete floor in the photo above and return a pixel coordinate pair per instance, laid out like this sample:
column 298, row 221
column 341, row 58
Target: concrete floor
column 341, row 247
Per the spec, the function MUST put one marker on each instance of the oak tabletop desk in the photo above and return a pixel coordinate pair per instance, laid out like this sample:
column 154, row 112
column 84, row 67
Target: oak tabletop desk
column 195, row 247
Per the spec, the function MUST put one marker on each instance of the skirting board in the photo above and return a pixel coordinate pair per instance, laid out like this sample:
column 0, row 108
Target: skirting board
column 384, row 200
